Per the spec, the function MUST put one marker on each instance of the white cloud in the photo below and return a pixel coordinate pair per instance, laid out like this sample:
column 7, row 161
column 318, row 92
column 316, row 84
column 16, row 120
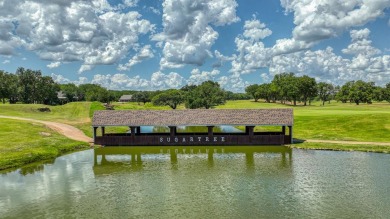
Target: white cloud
column 233, row 82
column 197, row 76
column 161, row 81
column 360, row 44
column 90, row 31
column 221, row 59
column 188, row 34
column 157, row 81
column 252, row 54
column 143, row 54
column 317, row 20
column 256, row 30
column 6, row 61
column 54, row 65
column 366, row 64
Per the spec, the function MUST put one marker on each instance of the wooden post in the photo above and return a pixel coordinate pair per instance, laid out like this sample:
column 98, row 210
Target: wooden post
column 138, row 129
column 290, row 133
column 172, row 130
column 103, row 130
column 132, row 128
column 284, row 130
column 210, row 130
column 249, row 130
column 94, row 133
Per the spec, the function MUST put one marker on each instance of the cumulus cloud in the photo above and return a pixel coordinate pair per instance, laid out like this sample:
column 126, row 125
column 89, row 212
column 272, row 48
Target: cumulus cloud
column 188, row 34
column 252, row 54
column 54, row 65
column 361, row 45
column 317, row 20
column 93, row 32
column 157, row 81
column 143, row 54
column 197, row 76
column 6, row 61
column 366, row 63
column 233, row 82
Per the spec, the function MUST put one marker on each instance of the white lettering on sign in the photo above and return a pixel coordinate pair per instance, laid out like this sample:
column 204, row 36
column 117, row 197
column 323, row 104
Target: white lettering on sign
column 187, row 140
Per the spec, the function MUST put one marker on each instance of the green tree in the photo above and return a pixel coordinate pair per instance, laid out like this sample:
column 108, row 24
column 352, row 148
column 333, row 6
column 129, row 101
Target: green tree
column 207, row 95
column 170, row 98
column 46, row 90
column 264, row 91
column 361, row 92
column 307, row 88
column 71, row 91
column 324, row 91
column 252, row 90
column 343, row 94
column 387, row 92
column 142, row 96
column 28, row 83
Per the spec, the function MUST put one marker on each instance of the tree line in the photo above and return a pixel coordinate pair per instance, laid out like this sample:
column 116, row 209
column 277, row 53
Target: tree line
column 30, row 86
column 287, row 87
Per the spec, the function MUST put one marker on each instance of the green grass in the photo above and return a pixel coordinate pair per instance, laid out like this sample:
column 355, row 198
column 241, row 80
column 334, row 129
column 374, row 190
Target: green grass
column 23, row 142
column 20, row 143
column 76, row 114
column 342, row 147
column 335, row 121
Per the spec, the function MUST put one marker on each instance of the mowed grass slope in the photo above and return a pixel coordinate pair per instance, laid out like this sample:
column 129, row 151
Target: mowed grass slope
column 23, row 142
column 76, row 114
column 335, row 121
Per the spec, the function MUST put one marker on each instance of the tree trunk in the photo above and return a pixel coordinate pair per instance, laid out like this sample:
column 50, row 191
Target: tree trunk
column 323, row 102
column 295, row 102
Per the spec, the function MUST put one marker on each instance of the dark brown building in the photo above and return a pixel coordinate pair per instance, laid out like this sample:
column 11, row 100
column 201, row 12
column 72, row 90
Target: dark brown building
column 210, row 118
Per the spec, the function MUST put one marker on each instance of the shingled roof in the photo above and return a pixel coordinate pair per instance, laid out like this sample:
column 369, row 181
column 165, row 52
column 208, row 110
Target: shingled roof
column 194, row 117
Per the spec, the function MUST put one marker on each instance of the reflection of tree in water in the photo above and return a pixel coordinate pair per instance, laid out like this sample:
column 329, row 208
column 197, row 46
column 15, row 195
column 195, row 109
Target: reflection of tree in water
column 32, row 168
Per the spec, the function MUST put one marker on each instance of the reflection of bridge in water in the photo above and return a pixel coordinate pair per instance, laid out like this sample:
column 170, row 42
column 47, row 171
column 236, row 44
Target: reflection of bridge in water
column 112, row 159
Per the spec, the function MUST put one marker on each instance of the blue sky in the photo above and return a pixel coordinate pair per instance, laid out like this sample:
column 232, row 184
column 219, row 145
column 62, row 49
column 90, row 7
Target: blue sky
column 161, row 44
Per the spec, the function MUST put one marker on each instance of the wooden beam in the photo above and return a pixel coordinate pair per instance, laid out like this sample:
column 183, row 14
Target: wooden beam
column 172, row 130
column 210, row 130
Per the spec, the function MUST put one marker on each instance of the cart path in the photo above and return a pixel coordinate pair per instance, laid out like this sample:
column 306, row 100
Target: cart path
column 64, row 129
column 349, row 142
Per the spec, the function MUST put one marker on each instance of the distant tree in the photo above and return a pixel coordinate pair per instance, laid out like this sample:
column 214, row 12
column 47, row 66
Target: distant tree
column 71, row 92
column 286, row 86
column 252, row 90
column 307, row 88
column 171, row 98
column 46, row 90
column 379, row 93
column 387, row 92
column 95, row 92
column 361, row 92
column 324, row 91
column 343, row 94
column 28, row 83
column 206, row 95
column 142, row 97
column 264, row 91
column 3, row 86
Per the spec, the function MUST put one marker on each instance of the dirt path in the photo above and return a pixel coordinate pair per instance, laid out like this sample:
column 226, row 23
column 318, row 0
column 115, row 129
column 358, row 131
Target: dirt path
column 64, row 129
column 349, row 142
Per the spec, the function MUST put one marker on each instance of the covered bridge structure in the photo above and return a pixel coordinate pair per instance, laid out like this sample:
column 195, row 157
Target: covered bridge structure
column 210, row 118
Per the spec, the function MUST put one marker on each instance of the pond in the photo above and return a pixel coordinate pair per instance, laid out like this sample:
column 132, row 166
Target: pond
column 200, row 182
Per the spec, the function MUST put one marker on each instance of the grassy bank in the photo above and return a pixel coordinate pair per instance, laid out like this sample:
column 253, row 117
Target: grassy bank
column 342, row 147
column 335, row 121
column 23, row 142
column 75, row 114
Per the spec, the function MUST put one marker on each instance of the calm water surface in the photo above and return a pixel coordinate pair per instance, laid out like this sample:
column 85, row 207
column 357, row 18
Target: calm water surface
column 201, row 182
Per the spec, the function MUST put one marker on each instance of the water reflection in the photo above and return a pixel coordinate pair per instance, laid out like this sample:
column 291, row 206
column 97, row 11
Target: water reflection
column 116, row 159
